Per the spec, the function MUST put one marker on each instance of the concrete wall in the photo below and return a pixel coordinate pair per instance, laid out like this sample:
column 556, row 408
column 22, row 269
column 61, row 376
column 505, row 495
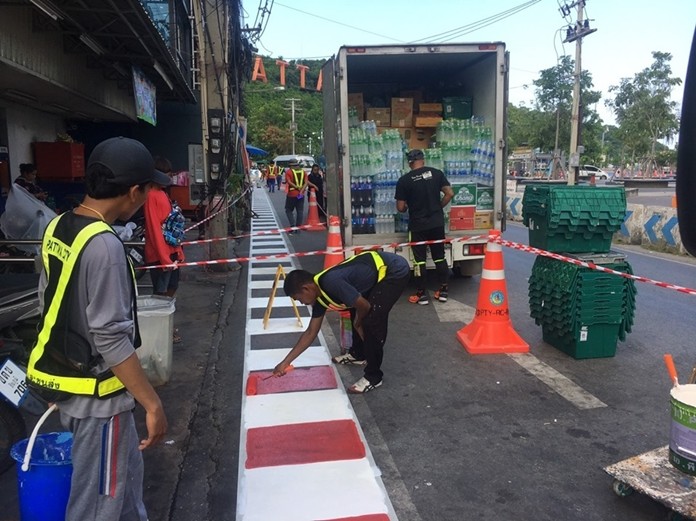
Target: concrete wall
column 652, row 227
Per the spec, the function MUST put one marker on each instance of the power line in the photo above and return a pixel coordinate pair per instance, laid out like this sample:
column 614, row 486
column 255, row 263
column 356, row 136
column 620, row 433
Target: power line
column 341, row 23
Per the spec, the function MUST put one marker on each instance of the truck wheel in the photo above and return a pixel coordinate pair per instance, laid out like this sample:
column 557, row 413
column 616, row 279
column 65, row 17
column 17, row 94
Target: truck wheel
column 12, row 429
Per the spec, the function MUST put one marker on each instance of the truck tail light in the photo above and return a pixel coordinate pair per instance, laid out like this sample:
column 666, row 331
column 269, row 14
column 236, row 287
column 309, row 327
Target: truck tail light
column 474, row 249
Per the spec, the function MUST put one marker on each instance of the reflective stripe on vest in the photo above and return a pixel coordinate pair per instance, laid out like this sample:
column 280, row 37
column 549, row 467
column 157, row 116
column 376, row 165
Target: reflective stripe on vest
column 298, row 181
column 324, row 300
column 68, row 255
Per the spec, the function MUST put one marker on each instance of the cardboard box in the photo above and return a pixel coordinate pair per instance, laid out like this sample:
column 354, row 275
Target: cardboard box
column 483, row 220
column 484, row 198
column 427, row 121
column 434, row 109
column 402, row 112
column 464, row 195
column 421, row 138
column 381, row 116
column 355, row 99
column 462, row 212
column 461, row 224
column 415, row 95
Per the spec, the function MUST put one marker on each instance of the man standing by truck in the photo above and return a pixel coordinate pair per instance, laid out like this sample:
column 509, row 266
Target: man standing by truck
column 418, row 192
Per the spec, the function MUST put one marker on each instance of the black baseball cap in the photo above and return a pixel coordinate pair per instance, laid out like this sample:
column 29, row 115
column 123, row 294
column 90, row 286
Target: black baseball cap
column 415, row 155
column 129, row 160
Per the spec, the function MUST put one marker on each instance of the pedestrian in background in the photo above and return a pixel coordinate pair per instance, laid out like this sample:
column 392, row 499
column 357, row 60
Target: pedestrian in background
column 271, row 179
column 423, row 192
column 316, row 181
column 27, row 180
column 85, row 355
column 158, row 252
column 367, row 284
column 296, row 181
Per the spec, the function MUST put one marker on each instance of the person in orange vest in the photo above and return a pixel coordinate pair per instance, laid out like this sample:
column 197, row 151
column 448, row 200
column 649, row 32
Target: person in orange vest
column 271, row 178
column 296, row 181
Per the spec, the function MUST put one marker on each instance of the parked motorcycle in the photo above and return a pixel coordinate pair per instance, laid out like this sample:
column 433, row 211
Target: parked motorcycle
column 19, row 312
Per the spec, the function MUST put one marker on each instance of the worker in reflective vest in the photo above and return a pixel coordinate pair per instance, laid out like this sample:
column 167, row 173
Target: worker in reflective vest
column 296, row 180
column 271, row 177
column 367, row 284
column 85, row 353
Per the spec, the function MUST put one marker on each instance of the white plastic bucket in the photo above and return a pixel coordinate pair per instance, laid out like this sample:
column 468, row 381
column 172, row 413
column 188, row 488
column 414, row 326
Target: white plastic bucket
column 682, row 438
column 156, row 321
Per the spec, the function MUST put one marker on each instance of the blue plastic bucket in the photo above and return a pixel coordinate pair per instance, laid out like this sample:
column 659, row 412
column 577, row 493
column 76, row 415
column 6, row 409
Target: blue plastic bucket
column 45, row 487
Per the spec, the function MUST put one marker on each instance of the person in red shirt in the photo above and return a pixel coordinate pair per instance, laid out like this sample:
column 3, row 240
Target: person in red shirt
column 158, row 206
column 296, row 181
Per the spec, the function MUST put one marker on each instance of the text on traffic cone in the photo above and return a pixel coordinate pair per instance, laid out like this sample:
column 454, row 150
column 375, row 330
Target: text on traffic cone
column 491, row 329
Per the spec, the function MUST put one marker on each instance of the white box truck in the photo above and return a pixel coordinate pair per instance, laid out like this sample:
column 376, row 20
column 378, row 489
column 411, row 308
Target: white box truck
column 449, row 100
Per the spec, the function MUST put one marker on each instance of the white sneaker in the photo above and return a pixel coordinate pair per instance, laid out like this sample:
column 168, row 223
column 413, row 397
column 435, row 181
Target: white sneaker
column 363, row 386
column 347, row 359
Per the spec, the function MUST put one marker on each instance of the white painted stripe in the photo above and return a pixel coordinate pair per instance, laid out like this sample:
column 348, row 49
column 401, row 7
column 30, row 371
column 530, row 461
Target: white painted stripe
column 267, row 251
column 493, row 274
column 265, row 359
column 260, row 284
column 277, row 325
column 278, row 302
column 263, row 271
column 313, row 491
column 565, row 387
column 264, row 410
column 454, row 311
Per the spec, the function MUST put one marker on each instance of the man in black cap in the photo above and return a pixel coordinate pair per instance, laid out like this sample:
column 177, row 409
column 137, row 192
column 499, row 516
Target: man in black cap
column 85, row 356
column 419, row 192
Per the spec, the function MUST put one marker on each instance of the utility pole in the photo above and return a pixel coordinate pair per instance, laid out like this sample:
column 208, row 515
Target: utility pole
column 293, row 125
column 576, row 34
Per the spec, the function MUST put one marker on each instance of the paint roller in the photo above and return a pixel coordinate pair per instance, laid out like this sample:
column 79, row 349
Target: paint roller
column 253, row 380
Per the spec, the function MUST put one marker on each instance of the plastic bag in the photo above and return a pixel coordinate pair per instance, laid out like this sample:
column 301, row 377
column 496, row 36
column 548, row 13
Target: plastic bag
column 25, row 218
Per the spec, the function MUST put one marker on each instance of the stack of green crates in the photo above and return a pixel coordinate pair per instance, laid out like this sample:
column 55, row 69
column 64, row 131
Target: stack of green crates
column 583, row 312
column 573, row 219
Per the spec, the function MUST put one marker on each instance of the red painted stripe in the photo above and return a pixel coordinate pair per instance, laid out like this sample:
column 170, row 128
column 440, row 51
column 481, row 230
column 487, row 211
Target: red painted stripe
column 300, row 443
column 369, row 517
column 301, row 379
column 114, row 455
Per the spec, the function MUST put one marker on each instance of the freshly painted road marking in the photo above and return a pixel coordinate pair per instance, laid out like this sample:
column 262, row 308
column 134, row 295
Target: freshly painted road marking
column 453, row 311
column 277, row 409
column 562, row 385
column 264, row 359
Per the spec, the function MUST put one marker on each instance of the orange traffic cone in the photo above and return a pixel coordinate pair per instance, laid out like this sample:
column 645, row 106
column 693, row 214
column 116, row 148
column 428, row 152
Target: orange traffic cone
column 313, row 223
column 334, row 244
column 491, row 329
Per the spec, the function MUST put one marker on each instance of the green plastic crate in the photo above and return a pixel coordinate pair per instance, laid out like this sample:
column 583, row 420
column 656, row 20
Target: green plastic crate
column 586, row 341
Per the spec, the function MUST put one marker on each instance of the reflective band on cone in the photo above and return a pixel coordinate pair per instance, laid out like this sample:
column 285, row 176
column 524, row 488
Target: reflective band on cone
column 313, row 222
column 491, row 329
column 334, row 243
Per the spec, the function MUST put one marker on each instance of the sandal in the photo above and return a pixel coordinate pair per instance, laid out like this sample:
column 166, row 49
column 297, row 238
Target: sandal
column 176, row 338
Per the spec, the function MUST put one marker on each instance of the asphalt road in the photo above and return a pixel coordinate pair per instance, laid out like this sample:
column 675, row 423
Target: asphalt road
column 473, row 437
column 455, row 436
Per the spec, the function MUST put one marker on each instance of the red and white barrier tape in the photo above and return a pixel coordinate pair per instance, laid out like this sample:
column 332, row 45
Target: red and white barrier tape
column 592, row 265
column 316, row 252
column 276, row 231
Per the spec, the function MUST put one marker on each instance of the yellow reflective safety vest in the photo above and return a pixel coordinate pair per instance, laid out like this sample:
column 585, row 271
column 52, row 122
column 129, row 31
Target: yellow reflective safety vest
column 61, row 361
column 369, row 257
column 298, row 176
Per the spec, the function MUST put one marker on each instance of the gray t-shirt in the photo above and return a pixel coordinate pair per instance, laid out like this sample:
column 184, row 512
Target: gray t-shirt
column 102, row 313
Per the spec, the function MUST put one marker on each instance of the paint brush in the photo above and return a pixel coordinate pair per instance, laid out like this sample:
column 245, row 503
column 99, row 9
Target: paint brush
column 669, row 362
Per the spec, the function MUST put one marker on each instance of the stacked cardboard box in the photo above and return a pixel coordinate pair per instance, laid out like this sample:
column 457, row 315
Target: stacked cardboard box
column 402, row 112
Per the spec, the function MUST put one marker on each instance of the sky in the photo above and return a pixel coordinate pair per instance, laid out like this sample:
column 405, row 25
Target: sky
column 628, row 31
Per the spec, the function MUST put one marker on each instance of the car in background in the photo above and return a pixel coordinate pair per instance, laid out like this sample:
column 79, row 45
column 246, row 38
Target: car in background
column 305, row 161
column 588, row 170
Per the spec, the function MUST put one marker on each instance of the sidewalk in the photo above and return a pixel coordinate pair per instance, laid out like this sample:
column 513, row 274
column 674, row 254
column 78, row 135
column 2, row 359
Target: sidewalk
column 182, row 473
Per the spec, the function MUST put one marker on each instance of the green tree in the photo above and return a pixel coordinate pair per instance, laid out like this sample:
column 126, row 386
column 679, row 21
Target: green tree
column 268, row 114
column 644, row 110
column 554, row 98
